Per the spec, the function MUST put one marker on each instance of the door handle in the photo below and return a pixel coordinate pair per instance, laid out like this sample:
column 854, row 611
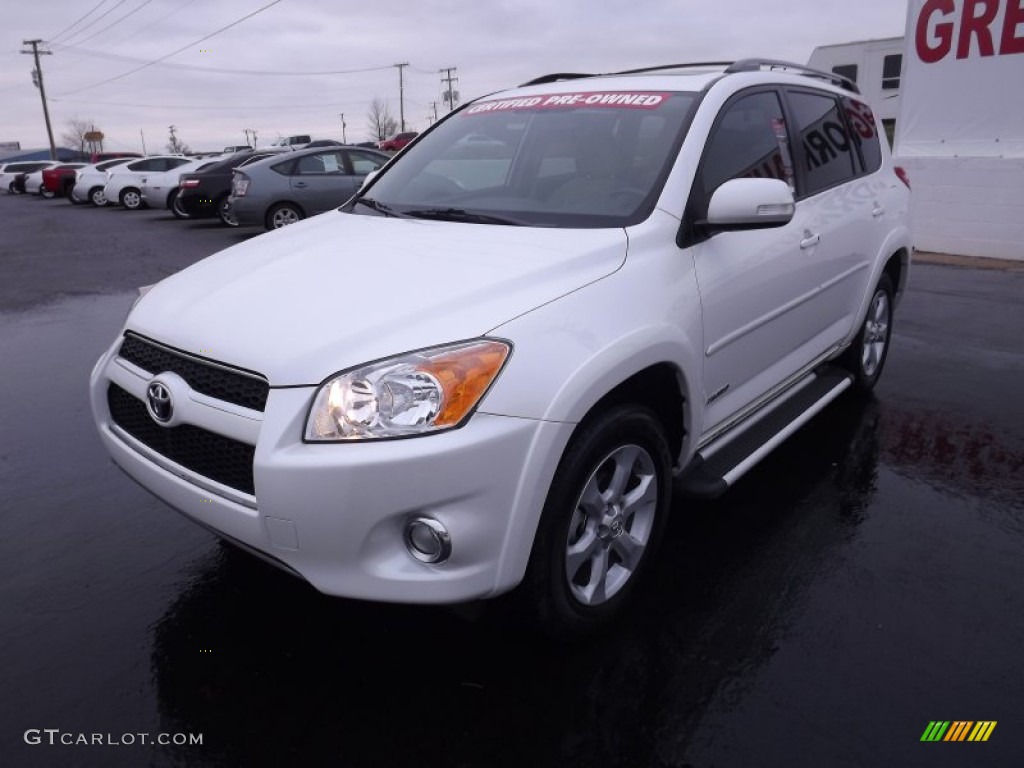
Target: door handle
column 809, row 240
column 877, row 210
column 300, row 184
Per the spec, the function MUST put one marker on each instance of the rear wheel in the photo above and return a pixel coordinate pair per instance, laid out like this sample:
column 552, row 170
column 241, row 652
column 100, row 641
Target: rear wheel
column 282, row 215
column 13, row 189
column 131, row 199
column 96, row 196
column 866, row 356
column 48, row 194
column 602, row 520
column 227, row 218
column 177, row 209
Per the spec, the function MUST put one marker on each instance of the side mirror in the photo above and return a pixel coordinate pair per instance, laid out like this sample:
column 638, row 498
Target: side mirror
column 751, row 204
column 369, row 177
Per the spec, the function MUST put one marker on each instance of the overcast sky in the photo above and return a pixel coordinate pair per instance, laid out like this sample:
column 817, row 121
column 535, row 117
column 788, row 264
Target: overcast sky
column 493, row 44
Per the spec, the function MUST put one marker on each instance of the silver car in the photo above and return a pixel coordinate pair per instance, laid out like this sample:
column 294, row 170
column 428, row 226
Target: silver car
column 277, row 191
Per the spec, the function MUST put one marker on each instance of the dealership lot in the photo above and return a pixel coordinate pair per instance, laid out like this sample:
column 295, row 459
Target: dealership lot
column 862, row 582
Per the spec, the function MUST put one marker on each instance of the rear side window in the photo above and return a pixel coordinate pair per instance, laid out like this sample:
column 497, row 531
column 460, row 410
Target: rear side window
column 748, row 141
column 827, row 151
column 865, row 133
column 364, row 163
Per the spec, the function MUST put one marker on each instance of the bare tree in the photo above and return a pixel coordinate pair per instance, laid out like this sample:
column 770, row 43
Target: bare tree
column 176, row 146
column 74, row 135
column 380, row 121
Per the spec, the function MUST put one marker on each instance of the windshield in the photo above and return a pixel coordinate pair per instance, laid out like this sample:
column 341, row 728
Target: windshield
column 589, row 159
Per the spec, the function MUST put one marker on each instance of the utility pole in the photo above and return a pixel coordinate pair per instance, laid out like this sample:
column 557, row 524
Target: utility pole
column 42, row 90
column 401, row 95
column 433, row 106
column 449, row 95
column 143, row 137
column 344, row 140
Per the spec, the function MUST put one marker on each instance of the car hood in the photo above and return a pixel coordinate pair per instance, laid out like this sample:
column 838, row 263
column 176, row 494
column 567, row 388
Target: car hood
column 338, row 290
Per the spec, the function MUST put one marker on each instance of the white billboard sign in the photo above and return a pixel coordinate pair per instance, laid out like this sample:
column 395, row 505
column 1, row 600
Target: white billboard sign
column 962, row 90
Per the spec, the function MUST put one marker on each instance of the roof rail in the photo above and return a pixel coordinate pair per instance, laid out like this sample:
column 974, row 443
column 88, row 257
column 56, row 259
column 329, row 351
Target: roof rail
column 577, row 75
column 674, row 66
column 754, row 65
column 555, row 77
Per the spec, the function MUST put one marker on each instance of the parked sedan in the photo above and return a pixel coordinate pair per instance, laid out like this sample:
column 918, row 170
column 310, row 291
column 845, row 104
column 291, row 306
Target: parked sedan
column 10, row 173
column 123, row 181
column 90, row 181
column 205, row 195
column 59, row 180
column 33, row 181
column 277, row 192
column 160, row 189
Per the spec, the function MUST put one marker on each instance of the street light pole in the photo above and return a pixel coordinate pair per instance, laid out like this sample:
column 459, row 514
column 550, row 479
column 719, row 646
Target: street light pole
column 401, row 95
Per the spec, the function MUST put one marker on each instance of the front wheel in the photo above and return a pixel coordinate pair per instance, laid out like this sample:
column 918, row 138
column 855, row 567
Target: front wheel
column 96, row 197
column 13, row 189
column 602, row 521
column 48, row 194
column 867, row 354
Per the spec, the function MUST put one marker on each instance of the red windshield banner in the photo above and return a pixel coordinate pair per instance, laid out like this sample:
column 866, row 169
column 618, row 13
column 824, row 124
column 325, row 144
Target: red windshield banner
column 614, row 99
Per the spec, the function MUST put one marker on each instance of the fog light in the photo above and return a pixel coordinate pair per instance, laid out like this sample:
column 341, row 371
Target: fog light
column 427, row 540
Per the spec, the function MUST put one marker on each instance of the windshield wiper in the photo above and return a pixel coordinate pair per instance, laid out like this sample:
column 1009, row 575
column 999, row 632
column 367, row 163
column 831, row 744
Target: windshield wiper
column 460, row 214
column 379, row 207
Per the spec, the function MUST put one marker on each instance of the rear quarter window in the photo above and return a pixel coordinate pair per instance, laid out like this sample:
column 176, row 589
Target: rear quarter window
column 865, row 133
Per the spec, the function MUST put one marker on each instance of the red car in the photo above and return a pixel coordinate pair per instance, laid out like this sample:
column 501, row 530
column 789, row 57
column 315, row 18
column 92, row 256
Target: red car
column 398, row 141
column 57, row 182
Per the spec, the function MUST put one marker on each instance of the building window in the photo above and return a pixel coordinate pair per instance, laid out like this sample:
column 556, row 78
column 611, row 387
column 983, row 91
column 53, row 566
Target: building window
column 849, row 71
column 891, row 72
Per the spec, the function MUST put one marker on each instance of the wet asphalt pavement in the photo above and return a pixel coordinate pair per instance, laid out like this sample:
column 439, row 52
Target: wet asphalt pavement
column 867, row 579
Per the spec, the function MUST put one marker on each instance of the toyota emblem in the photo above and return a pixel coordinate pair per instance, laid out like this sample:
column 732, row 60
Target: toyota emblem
column 158, row 402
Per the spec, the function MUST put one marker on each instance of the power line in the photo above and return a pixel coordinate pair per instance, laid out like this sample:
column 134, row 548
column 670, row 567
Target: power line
column 113, row 23
column 177, row 9
column 98, row 18
column 211, row 107
column 175, row 52
column 222, row 70
column 76, row 21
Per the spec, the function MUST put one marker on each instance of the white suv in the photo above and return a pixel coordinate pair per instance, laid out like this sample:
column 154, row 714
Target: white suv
column 486, row 369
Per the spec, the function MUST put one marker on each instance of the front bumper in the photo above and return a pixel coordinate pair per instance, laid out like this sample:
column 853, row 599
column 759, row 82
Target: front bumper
column 334, row 513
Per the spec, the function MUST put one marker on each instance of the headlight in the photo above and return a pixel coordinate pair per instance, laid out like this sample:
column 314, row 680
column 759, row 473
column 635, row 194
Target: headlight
column 414, row 394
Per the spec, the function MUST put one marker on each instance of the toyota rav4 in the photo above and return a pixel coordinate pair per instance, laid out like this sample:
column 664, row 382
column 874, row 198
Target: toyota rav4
column 493, row 366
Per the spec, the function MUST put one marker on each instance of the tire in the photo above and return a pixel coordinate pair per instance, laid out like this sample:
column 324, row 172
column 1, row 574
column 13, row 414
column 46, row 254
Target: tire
column 593, row 543
column 97, row 198
column 13, row 189
column 283, row 214
column 48, row 194
column 226, row 217
column 866, row 356
column 131, row 198
column 169, row 205
column 177, row 210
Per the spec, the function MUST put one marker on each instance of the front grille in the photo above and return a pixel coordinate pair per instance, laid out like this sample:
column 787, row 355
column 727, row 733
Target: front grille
column 231, row 386
column 219, row 458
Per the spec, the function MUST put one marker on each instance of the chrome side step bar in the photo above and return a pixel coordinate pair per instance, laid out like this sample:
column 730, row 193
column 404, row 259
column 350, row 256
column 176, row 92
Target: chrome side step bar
column 722, row 462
